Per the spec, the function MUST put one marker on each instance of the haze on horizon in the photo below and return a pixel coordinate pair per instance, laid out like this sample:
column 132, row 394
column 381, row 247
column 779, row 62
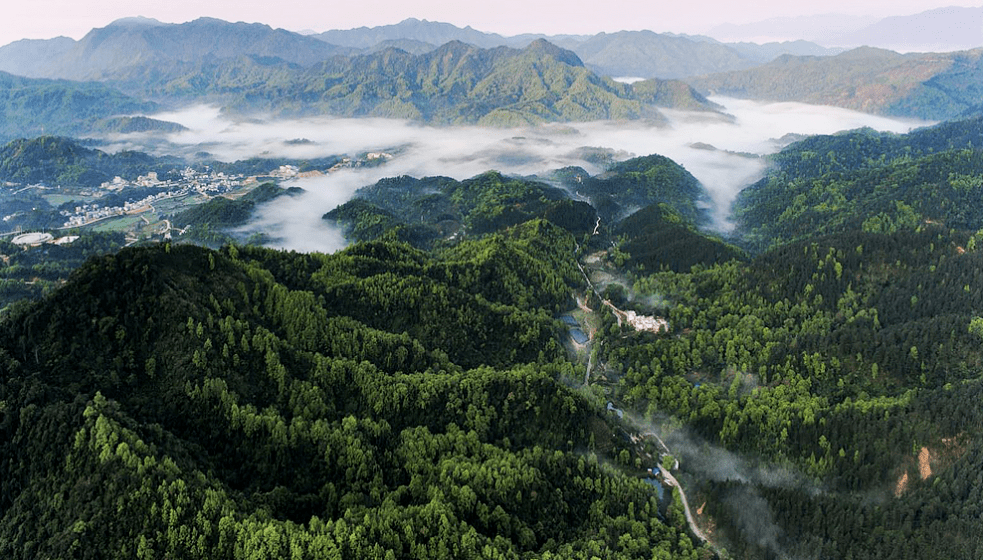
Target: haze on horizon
column 46, row 19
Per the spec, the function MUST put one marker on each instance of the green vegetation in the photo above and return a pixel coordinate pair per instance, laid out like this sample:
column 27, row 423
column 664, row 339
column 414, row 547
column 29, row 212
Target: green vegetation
column 208, row 223
column 29, row 273
column 221, row 212
column 421, row 211
column 33, row 106
column 840, row 359
column 256, row 404
column 62, row 161
column 867, row 181
column 657, row 237
column 129, row 125
column 454, row 84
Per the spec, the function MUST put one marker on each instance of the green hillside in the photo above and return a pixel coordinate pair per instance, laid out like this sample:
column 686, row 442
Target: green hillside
column 456, row 84
column 259, row 404
column 56, row 160
column 33, row 107
column 843, row 373
column 657, row 237
column 421, row 211
column 863, row 180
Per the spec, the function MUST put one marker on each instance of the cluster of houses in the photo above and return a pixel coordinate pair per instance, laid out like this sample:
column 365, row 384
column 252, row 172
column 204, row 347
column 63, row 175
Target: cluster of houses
column 192, row 181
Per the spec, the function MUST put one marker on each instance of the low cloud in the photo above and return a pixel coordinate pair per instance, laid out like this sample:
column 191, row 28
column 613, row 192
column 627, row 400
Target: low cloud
column 721, row 153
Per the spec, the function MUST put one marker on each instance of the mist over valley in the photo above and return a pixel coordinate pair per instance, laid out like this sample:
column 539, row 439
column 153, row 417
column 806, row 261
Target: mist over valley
column 722, row 152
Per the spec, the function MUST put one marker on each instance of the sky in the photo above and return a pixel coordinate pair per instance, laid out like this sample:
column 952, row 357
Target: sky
column 45, row 19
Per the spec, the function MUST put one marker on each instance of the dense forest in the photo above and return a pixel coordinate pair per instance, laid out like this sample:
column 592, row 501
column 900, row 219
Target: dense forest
column 33, row 272
column 870, row 181
column 379, row 402
column 424, row 211
column 842, row 360
column 418, row 394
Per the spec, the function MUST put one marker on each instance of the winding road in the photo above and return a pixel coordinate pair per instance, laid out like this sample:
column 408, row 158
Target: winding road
column 671, row 481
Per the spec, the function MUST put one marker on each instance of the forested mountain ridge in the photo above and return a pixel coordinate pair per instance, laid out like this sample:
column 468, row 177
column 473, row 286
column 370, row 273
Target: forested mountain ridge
column 105, row 52
column 863, row 180
column 624, row 53
column 650, row 55
column 432, row 210
column 57, row 160
column 459, row 84
column 33, row 107
column 933, row 86
column 309, row 398
column 851, row 362
column 422, row 211
column 454, row 84
column 124, row 44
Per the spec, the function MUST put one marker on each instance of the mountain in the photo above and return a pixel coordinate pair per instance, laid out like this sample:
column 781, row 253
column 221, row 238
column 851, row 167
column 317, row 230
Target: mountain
column 53, row 161
column 131, row 52
column 629, row 185
column 432, row 32
column 946, row 29
column 658, row 238
column 32, row 107
column 106, row 53
column 927, row 86
column 766, row 52
column 130, row 125
column 650, row 55
column 455, row 84
column 25, row 57
column 411, row 46
column 422, row 211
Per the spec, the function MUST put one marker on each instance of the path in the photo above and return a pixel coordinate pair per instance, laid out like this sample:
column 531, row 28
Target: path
column 671, row 481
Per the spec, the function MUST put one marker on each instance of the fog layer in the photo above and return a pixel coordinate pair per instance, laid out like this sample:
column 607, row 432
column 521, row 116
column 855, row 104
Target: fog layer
column 721, row 152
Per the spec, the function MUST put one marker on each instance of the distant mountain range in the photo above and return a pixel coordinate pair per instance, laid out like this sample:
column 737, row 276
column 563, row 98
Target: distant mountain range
column 139, row 42
column 104, row 52
column 439, row 73
column 643, row 54
column 253, row 68
column 460, row 83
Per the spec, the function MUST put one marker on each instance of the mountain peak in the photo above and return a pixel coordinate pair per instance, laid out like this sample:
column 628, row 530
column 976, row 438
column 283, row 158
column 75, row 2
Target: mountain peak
column 136, row 22
column 541, row 47
column 456, row 47
column 866, row 52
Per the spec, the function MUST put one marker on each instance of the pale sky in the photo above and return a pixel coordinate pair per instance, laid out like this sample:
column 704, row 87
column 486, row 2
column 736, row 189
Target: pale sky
column 44, row 19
